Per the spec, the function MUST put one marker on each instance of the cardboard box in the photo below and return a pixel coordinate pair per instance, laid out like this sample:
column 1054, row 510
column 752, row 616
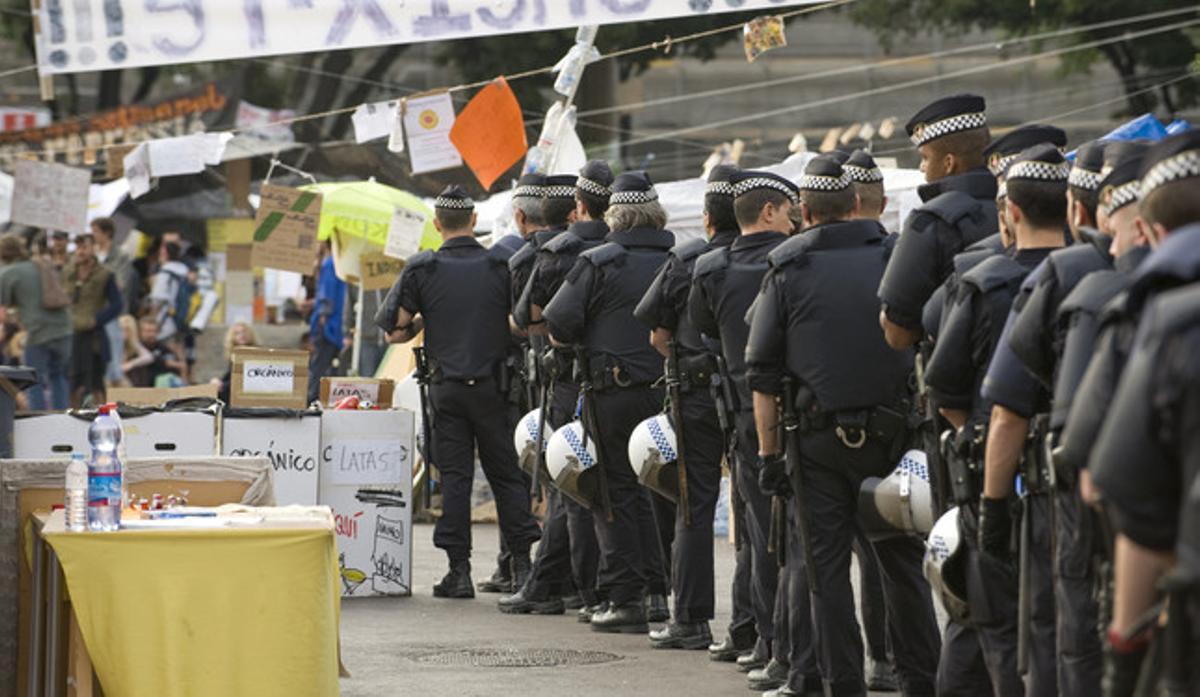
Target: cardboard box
column 364, row 453
column 158, row 396
column 292, row 444
column 373, row 390
column 269, row 378
column 157, row 434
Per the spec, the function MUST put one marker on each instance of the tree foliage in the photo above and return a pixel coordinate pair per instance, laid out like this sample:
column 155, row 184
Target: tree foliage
column 1141, row 63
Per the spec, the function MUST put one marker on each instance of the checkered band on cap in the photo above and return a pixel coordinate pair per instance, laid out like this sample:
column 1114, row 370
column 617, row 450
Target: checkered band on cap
column 1084, row 179
column 459, row 204
column 1040, row 171
column 559, row 192
column 720, row 189
column 530, row 191
column 821, row 182
column 745, row 186
column 594, row 188
column 1185, row 165
column 625, row 198
column 1002, row 190
column 999, row 163
column 1122, row 196
column 932, row 131
column 863, row 175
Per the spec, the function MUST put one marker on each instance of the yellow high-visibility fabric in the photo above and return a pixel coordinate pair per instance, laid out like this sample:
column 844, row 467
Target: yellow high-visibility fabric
column 206, row 613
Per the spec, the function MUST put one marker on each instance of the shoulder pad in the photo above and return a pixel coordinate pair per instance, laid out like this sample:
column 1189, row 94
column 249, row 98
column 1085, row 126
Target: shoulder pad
column 522, row 256
column 565, row 243
column 965, row 261
column 1173, row 310
column 1094, row 292
column 789, row 251
column 686, row 251
column 993, row 272
column 604, row 254
column 420, row 259
column 1070, row 265
column 711, row 262
column 951, row 206
column 498, row 256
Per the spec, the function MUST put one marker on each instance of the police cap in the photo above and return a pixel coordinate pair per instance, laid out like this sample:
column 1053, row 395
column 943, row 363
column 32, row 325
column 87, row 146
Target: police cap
column 718, row 181
column 1170, row 160
column 560, row 186
column 1001, row 151
column 531, row 186
column 946, row 116
column 745, row 181
column 633, row 188
column 861, row 168
column 454, row 197
column 1089, row 160
column 824, row 174
column 595, row 178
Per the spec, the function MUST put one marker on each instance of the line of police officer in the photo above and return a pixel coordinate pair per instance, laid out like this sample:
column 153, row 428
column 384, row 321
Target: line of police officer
column 810, row 351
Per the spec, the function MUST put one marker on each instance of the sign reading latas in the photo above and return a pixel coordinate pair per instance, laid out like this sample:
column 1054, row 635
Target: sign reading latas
column 269, row 378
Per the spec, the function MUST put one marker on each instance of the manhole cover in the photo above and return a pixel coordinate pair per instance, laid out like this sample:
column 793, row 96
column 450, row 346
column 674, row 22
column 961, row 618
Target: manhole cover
column 517, row 658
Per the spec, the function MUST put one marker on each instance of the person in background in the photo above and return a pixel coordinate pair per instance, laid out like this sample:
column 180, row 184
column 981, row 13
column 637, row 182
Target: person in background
column 95, row 301
column 133, row 354
column 48, row 344
column 240, row 334
column 326, row 332
column 58, row 248
column 166, row 366
column 121, row 267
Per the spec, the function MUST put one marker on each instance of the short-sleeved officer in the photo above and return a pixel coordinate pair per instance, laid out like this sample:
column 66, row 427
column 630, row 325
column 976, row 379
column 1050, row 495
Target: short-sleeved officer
column 725, row 282
column 814, row 324
column 459, row 296
column 664, row 309
column 593, row 310
column 568, row 554
column 959, row 210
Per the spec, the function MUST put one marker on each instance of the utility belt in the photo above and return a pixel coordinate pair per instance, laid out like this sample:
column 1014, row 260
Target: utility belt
column 437, row 376
column 855, row 428
column 1035, row 464
column 606, row 374
column 511, row 377
column 963, row 453
column 696, row 371
column 558, row 364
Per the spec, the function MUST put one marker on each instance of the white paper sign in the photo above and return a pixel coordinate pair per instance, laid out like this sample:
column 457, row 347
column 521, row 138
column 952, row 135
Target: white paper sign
column 373, row 121
column 396, row 139
column 137, row 171
column 50, row 196
column 267, row 377
column 364, row 461
column 6, row 198
column 427, row 121
column 404, row 234
column 171, row 157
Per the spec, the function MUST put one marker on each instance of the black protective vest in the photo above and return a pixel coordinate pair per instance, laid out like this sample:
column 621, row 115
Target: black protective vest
column 1079, row 316
column 835, row 345
column 520, row 264
column 996, row 282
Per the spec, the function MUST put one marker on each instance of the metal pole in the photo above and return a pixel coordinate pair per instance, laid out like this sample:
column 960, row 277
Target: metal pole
column 589, row 40
column 53, row 623
column 356, row 350
column 37, row 617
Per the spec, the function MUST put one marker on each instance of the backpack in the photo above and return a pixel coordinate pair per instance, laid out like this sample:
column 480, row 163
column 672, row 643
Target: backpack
column 53, row 295
column 182, row 309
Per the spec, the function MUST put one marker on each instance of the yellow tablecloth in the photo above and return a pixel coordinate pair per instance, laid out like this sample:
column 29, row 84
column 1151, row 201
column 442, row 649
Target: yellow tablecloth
column 206, row 613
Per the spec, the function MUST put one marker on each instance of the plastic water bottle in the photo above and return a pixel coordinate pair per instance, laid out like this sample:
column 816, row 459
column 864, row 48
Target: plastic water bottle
column 104, row 473
column 121, row 455
column 77, row 494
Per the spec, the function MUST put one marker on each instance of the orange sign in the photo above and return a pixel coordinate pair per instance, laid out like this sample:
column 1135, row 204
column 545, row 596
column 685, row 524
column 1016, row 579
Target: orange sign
column 490, row 132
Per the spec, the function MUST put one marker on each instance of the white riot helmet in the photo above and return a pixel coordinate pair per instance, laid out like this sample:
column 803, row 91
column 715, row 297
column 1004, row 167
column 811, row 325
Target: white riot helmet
column 569, row 461
column 653, row 453
column 943, row 565
column 899, row 504
column 525, row 438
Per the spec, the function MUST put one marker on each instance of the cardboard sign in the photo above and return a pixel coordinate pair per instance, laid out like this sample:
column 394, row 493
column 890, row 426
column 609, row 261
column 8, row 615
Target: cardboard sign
column 293, row 445
column 269, row 378
column 158, row 396
column 285, row 229
column 427, row 122
column 404, row 234
column 379, row 272
column 50, row 196
column 379, row 392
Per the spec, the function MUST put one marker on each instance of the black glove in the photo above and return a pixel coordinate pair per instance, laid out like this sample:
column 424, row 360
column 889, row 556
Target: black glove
column 773, row 476
column 1122, row 667
column 995, row 527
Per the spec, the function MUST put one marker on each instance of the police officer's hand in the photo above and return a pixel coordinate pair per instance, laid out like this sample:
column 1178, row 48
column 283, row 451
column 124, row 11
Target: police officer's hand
column 772, row 475
column 995, row 527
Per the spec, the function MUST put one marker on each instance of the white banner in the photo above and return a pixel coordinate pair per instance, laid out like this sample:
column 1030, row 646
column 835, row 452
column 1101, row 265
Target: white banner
column 88, row 35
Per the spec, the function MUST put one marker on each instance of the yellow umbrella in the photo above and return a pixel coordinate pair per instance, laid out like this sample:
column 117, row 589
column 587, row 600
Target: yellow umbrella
column 364, row 209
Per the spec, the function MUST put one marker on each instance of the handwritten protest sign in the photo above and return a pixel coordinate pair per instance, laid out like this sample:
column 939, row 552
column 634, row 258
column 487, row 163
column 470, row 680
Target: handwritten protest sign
column 50, row 196
column 285, row 229
column 404, row 234
column 379, row 272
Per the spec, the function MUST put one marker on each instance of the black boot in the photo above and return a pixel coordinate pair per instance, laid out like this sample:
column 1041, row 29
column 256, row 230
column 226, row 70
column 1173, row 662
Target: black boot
column 499, row 582
column 621, row 619
column 586, row 612
column 526, row 602
column 457, row 582
column 682, row 635
column 521, row 569
column 656, row 608
column 731, row 648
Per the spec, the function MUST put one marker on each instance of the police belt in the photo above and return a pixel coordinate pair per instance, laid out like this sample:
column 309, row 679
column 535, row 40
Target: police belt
column 438, row 376
column 558, row 364
column 696, row 371
column 855, row 427
column 1035, row 466
column 606, row 374
column 963, row 454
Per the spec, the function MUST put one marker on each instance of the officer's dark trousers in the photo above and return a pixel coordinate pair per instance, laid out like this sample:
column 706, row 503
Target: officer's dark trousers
column 629, row 546
column 803, row 673
column 467, row 417
column 870, row 600
column 664, row 524
column 692, row 553
column 741, row 621
column 962, row 670
column 992, row 596
column 765, row 569
column 1080, row 656
column 832, row 475
column 1043, row 664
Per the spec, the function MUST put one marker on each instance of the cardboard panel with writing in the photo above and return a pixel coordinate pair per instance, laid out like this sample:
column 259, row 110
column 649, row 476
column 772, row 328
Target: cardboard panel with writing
column 379, row 392
column 50, row 196
column 379, row 271
column 285, row 229
column 293, row 444
column 366, row 478
column 269, row 378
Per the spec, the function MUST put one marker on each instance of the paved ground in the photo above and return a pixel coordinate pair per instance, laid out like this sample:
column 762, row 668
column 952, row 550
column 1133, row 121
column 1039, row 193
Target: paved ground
column 390, row 645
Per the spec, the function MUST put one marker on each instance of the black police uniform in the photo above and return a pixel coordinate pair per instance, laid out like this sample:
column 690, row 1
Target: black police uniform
column 725, row 282
column 461, row 291
column 594, row 310
column 815, row 319
column 665, row 306
column 567, row 521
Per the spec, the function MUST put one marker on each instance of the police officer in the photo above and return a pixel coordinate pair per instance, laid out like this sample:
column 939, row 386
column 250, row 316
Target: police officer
column 664, row 307
column 814, row 325
column 568, row 537
column 725, row 282
column 959, row 210
column 593, row 309
column 458, row 295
